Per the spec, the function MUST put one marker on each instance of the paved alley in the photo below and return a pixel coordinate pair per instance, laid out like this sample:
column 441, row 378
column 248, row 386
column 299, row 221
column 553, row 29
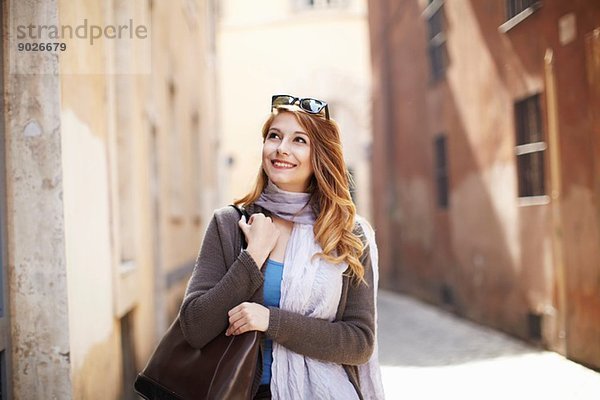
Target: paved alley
column 427, row 353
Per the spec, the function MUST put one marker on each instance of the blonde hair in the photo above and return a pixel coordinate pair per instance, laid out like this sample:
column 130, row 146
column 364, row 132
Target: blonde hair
column 330, row 188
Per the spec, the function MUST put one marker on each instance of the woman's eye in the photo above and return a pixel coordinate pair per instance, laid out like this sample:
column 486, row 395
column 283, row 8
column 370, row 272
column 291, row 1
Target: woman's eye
column 271, row 135
column 302, row 139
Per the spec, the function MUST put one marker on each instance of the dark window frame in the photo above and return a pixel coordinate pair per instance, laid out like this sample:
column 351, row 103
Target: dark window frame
column 442, row 181
column 436, row 36
column 516, row 7
column 517, row 11
column 530, row 147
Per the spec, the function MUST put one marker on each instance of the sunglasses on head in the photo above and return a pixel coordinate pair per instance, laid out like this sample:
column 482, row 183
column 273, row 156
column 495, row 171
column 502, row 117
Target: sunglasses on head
column 311, row 106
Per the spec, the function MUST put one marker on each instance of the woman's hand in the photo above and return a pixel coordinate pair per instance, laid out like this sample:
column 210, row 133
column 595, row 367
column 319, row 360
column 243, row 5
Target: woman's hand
column 247, row 317
column 261, row 234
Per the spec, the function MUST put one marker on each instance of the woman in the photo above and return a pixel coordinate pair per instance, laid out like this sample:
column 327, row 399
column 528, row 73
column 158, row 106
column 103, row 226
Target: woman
column 306, row 279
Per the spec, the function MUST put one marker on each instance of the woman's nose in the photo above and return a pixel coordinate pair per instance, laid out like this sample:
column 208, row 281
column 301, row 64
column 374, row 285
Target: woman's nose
column 283, row 147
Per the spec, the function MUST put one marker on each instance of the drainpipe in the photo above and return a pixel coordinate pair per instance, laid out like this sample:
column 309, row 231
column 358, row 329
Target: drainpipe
column 560, row 334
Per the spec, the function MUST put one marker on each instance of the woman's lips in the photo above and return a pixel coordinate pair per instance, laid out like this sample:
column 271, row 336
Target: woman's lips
column 282, row 165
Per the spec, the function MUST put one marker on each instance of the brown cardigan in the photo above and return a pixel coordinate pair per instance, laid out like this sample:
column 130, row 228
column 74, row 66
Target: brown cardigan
column 224, row 277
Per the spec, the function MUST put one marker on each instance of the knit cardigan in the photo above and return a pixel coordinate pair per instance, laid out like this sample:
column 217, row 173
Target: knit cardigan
column 225, row 276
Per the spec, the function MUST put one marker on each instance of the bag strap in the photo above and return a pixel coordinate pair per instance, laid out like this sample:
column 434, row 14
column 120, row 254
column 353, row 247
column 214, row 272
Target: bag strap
column 242, row 211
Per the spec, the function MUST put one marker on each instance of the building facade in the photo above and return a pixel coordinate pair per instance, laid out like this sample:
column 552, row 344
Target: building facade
column 108, row 181
column 485, row 159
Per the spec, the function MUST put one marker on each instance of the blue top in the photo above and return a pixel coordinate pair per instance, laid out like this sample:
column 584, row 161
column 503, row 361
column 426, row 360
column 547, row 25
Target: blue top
column 272, row 294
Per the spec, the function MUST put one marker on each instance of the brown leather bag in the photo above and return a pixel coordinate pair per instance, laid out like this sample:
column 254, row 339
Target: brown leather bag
column 224, row 369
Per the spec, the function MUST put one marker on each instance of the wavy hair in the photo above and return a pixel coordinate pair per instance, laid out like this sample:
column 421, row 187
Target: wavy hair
column 330, row 192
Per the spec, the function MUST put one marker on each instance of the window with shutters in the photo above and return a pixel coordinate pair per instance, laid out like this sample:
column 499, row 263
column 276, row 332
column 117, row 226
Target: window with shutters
column 518, row 11
column 531, row 147
column 436, row 24
column 516, row 7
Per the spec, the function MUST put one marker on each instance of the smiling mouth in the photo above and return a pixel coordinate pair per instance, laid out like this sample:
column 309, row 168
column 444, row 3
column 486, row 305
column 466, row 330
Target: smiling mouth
column 279, row 164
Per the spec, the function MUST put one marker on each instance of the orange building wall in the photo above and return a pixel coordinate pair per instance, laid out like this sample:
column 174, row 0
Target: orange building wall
column 488, row 256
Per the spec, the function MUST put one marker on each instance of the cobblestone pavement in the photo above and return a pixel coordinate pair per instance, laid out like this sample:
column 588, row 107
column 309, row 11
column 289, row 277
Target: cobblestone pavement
column 426, row 353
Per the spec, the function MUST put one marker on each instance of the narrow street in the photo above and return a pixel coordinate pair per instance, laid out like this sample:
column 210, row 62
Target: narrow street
column 427, row 353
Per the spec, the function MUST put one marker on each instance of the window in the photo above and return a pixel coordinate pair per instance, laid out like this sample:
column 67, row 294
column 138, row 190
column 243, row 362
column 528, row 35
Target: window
column 441, row 171
column 516, row 7
column 530, row 147
column 437, row 39
column 518, row 11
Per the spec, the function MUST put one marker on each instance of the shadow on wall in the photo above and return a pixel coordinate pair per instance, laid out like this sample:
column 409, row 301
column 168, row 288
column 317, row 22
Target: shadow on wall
column 468, row 254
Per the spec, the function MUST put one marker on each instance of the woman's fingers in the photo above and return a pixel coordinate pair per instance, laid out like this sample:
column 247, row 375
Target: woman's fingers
column 238, row 330
column 238, row 308
column 257, row 216
column 247, row 317
column 243, row 225
column 253, row 217
column 261, row 235
column 238, row 326
column 239, row 321
column 236, row 317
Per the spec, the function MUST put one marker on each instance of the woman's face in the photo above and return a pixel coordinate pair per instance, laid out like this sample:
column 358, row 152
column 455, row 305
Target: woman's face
column 286, row 154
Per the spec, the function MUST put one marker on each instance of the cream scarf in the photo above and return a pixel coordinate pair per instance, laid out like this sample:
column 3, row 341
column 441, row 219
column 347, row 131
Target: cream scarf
column 313, row 288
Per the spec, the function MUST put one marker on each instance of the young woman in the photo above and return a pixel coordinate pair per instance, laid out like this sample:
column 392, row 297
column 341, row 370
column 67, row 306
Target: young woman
column 308, row 277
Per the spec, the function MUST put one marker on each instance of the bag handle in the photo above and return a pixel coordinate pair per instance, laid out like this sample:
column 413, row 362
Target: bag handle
column 242, row 211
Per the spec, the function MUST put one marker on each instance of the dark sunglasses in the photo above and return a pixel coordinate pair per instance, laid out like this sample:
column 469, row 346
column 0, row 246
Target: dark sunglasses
column 311, row 106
